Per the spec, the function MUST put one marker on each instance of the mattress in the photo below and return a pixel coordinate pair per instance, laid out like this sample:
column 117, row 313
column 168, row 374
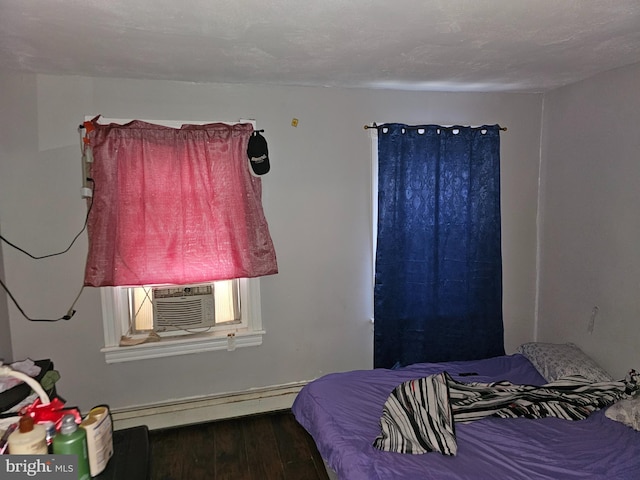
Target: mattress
column 342, row 413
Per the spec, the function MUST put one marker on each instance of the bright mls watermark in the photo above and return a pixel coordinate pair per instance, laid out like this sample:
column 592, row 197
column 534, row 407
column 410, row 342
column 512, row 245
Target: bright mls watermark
column 45, row 467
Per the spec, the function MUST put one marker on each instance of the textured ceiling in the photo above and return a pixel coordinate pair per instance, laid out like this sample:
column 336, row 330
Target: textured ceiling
column 450, row 45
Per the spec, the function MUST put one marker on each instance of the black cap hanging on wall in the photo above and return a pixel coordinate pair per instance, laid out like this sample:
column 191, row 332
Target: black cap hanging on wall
column 258, row 154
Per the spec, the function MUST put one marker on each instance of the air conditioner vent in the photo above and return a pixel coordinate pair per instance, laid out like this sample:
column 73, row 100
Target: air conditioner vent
column 187, row 307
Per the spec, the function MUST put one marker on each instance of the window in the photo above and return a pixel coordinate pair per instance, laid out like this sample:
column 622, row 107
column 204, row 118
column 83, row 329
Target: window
column 179, row 309
column 438, row 264
column 129, row 320
column 165, row 320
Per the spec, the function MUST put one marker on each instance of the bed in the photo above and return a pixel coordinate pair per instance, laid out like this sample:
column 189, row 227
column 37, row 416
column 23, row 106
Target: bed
column 342, row 413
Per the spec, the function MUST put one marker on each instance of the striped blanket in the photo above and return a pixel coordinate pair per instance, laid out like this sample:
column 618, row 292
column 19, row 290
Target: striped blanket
column 419, row 415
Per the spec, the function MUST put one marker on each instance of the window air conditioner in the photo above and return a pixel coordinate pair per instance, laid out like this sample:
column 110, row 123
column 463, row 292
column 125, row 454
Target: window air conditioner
column 184, row 307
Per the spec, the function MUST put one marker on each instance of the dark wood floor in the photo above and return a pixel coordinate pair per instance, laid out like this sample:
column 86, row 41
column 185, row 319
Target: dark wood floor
column 262, row 447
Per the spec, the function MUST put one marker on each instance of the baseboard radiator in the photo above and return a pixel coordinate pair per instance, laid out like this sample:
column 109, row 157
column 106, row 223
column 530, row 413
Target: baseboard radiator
column 207, row 409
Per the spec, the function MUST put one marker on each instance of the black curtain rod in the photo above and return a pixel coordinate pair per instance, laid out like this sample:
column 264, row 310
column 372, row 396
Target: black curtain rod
column 367, row 127
column 259, row 131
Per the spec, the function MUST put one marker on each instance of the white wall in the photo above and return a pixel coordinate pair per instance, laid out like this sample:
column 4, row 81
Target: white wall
column 6, row 351
column 591, row 226
column 317, row 201
column 16, row 109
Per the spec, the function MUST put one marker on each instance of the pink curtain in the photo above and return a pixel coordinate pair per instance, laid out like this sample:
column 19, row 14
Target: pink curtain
column 174, row 206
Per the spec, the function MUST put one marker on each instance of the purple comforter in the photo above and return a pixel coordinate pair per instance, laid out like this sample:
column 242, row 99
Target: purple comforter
column 342, row 412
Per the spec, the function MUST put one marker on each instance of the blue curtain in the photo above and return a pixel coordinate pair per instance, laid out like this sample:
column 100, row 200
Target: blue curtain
column 438, row 278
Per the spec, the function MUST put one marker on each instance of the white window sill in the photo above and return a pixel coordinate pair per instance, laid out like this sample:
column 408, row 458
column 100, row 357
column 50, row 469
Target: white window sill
column 173, row 346
column 116, row 322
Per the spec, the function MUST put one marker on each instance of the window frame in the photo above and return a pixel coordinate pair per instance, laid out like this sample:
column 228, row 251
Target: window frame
column 115, row 307
column 115, row 315
column 234, row 324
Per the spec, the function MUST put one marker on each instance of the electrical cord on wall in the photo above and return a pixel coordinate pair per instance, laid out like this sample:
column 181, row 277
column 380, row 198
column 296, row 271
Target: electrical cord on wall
column 84, row 227
column 70, row 312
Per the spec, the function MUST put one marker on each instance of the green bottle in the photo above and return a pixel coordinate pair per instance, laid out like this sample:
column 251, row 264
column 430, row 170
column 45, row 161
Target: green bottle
column 72, row 440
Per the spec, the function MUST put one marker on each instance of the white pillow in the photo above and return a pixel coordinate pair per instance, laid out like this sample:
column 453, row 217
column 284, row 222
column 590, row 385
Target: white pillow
column 554, row 361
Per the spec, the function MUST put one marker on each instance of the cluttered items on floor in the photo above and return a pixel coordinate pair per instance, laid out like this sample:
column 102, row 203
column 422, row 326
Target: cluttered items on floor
column 34, row 420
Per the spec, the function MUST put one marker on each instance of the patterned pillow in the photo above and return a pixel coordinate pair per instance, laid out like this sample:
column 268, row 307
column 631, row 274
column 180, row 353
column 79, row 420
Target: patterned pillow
column 555, row 361
column 626, row 411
